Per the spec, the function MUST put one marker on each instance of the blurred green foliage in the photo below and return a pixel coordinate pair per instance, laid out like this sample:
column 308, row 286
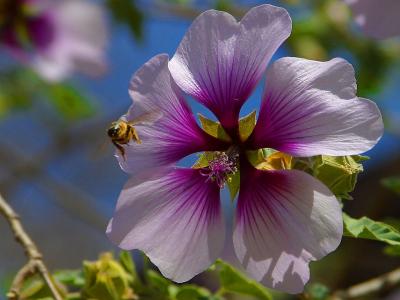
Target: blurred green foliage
column 21, row 88
column 232, row 281
column 109, row 278
column 392, row 183
column 129, row 14
column 317, row 291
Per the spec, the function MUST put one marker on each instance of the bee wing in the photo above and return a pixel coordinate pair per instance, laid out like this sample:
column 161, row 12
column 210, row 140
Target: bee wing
column 148, row 117
column 102, row 148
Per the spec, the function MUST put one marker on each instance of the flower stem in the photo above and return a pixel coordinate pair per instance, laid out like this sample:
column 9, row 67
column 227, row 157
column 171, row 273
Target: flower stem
column 369, row 287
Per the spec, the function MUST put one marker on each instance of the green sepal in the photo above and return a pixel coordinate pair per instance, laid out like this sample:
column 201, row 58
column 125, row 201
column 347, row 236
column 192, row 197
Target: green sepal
column 255, row 157
column 213, row 128
column 234, row 185
column 246, row 125
column 366, row 228
column 204, row 159
column 233, row 281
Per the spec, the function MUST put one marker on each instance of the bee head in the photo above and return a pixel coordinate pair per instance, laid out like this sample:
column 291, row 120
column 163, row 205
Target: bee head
column 114, row 130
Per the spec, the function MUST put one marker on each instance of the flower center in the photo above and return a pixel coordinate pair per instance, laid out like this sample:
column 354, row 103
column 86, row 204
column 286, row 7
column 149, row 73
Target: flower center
column 221, row 168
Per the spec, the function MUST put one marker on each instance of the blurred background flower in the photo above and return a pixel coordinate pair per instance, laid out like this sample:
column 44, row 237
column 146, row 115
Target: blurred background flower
column 56, row 37
column 378, row 19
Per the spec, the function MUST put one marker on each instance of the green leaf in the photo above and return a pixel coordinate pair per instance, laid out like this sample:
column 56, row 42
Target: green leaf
column 392, row 183
column 192, row 292
column 128, row 13
column 232, row 281
column 368, row 229
column 125, row 259
column 157, row 283
column 246, row 125
column 213, row 128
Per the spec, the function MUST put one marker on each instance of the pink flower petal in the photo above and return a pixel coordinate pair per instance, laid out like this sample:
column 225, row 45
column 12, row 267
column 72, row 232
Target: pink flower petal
column 79, row 42
column 285, row 219
column 378, row 19
column 170, row 132
column 220, row 61
column 310, row 108
column 175, row 219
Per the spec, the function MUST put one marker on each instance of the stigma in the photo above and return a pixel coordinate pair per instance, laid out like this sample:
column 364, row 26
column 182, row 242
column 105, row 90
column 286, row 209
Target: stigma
column 221, row 168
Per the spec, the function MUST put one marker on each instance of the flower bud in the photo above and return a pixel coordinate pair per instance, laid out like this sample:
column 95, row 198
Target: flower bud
column 106, row 279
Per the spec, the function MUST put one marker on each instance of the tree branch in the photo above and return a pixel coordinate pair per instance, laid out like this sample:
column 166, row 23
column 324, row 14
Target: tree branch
column 35, row 263
column 369, row 287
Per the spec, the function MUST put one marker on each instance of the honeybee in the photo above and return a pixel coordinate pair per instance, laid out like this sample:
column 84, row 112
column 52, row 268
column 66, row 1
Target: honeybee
column 121, row 132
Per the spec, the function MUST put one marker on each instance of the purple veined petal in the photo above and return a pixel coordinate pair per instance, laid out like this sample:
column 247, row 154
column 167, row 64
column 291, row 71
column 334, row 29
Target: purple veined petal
column 220, row 60
column 378, row 19
column 310, row 108
column 171, row 132
column 79, row 42
column 284, row 220
column 176, row 219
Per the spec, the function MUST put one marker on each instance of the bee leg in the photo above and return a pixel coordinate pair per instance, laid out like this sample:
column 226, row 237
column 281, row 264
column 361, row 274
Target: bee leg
column 136, row 136
column 120, row 149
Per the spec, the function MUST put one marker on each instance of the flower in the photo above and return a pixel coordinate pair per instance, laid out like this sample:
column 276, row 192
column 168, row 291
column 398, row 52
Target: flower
column 56, row 38
column 378, row 19
column 284, row 218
